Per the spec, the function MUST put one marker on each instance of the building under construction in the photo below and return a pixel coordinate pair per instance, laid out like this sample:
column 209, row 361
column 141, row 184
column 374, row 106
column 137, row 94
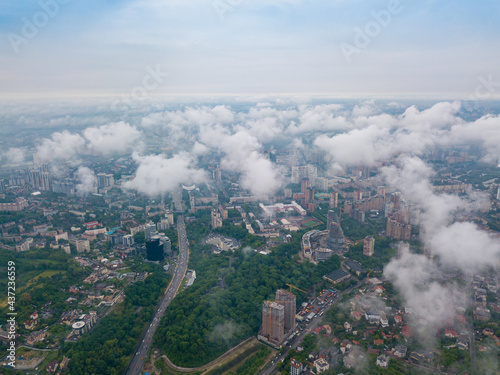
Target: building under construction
column 335, row 232
column 273, row 324
column 278, row 318
column 289, row 302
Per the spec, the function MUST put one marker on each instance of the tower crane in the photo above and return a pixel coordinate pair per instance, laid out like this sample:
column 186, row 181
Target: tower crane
column 294, row 287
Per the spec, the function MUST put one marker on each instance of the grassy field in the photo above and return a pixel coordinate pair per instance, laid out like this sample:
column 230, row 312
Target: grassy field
column 47, row 273
column 27, row 280
column 310, row 223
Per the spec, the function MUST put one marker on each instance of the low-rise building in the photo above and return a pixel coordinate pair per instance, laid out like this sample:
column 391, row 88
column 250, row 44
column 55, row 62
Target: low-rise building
column 321, row 365
column 419, row 356
column 400, row 351
column 336, row 276
column 463, row 342
column 36, row 337
column 383, row 361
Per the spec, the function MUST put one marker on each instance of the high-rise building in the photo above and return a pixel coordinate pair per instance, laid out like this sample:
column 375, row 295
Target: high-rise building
column 358, row 195
column 149, row 230
column 105, row 180
column 2, row 186
column 167, row 245
column 368, row 246
column 217, row 173
column 335, row 232
column 498, row 194
column 225, row 213
column 322, row 183
column 192, row 201
column 334, row 199
column 397, row 229
column 117, row 237
column 312, row 173
column 63, row 187
column 128, row 240
column 296, row 367
column 154, row 249
column 163, row 224
column 216, row 219
column 40, row 179
column 304, row 184
column 170, row 216
column 82, row 246
column 289, row 302
column 309, row 195
column 273, row 322
column 347, row 207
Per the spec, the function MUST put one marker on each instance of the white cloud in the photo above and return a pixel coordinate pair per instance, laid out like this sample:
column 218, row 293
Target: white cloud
column 242, row 154
column 14, row 155
column 157, row 174
column 416, row 278
column 105, row 140
column 61, row 146
column 88, row 181
column 110, row 139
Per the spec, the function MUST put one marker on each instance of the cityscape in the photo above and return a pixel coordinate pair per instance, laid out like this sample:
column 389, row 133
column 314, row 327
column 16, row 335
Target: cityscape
column 293, row 188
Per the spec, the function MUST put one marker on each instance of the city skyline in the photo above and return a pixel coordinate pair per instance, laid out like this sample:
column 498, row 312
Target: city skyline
column 169, row 168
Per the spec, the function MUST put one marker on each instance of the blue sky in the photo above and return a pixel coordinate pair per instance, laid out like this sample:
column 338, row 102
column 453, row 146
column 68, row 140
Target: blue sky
column 430, row 48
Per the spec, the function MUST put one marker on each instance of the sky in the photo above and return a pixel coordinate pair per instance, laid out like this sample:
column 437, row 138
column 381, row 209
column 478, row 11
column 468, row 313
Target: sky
column 339, row 48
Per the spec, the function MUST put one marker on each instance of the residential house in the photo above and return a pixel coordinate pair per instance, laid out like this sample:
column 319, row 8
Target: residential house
column 348, row 327
column 406, row 332
column 463, row 342
column 383, row 320
column 450, row 333
column 400, row 351
column 30, row 324
column 52, row 366
column 372, row 317
column 383, row 361
column 321, row 365
column 355, row 315
column 36, row 337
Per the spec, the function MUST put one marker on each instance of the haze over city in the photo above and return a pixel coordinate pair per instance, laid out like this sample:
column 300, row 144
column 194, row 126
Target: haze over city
column 264, row 187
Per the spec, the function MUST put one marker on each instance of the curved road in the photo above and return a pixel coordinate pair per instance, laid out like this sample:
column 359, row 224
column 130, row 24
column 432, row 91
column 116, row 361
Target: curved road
column 139, row 358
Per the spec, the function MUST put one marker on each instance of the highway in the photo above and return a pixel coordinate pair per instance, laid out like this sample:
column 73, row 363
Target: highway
column 139, row 357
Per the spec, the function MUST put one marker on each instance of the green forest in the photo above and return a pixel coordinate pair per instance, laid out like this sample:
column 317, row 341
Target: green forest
column 224, row 305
